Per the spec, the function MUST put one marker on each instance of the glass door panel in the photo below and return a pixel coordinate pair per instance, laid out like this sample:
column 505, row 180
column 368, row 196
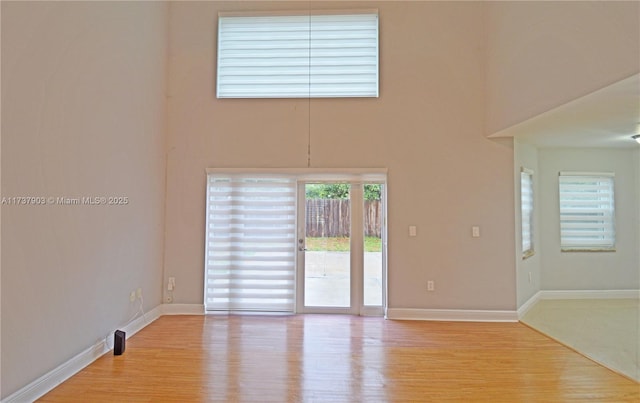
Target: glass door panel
column 373, row 238
column 327, row 250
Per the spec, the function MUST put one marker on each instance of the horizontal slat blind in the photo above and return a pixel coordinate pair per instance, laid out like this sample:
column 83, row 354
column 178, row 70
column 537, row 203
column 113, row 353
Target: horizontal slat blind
column 526, row 194
column 298, row 56
column 587, row 218
column 250, row 243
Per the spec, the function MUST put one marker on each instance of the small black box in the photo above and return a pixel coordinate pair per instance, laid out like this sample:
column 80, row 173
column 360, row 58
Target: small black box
column 118, row 342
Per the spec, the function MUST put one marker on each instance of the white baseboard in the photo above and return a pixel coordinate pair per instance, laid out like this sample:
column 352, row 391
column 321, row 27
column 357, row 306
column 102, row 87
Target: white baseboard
column 50, row 380
column 528, row 305
column 452, row 315
column 589, row 294
column 182, row 309
column 142, row 321
column 576, row 294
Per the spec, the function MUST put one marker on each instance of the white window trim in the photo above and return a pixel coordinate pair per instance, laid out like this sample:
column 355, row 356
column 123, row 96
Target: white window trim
column 357, row 77
column 318, row 175
column 610, row 244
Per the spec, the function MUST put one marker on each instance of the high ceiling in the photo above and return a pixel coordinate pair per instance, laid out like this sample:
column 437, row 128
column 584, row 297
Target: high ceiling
column 606, row 118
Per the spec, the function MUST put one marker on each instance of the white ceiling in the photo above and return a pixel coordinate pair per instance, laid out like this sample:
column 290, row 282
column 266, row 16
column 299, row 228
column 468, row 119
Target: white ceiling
column 606, row 118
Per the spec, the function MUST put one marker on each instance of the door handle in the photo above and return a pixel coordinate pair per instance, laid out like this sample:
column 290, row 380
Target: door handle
column 302, row 248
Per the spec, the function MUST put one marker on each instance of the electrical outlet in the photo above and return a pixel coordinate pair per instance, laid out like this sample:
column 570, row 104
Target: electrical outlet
column 431, row 286
column 172, row 283
column 132, row 296
column 530, row 278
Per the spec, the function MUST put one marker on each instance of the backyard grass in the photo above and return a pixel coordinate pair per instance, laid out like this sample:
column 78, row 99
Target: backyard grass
column 371, row 244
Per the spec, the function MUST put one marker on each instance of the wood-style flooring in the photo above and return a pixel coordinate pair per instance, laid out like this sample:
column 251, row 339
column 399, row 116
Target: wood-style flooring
column 335, row 358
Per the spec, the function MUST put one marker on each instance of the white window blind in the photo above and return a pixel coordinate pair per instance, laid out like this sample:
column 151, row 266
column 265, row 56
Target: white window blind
column 298, row 56
column 250, row 243
column 526, row 201
column 587, row 217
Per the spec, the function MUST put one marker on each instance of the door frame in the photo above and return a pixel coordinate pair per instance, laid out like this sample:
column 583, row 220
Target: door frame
column 356, row 255
column 333, row 175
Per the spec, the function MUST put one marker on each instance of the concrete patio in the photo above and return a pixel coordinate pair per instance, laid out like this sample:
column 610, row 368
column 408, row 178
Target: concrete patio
column 327, row 279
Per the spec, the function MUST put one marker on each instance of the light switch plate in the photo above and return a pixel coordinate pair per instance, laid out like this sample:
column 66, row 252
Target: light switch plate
column 412, row 230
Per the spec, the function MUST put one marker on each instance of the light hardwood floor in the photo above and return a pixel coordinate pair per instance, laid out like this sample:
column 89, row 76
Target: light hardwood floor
column 333, row 358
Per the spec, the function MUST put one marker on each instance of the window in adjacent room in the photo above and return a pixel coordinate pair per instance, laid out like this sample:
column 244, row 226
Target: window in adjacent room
column 298, row 56
column 587, row 219
column 526, row 202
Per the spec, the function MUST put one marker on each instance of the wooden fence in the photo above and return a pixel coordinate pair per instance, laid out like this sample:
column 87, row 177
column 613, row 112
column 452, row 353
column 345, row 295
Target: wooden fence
column 331, row 218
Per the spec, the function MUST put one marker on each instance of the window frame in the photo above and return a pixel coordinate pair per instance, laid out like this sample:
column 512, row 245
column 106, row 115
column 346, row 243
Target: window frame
column 323, row 69
column 527, row 215
column 602, row 211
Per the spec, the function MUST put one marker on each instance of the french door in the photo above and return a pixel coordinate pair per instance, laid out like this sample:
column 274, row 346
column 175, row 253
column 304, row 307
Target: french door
column 295, row 242
column 340, row 257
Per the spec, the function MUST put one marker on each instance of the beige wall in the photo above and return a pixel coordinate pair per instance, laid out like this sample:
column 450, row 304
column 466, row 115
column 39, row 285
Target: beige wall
column 543, row 54
column 83, row 115
column 426, row 128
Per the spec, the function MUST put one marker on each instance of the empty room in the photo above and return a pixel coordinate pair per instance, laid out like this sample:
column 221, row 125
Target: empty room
column 341, row 201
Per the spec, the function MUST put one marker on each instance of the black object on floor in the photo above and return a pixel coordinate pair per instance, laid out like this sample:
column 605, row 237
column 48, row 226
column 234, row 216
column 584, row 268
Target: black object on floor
column 118, row 342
